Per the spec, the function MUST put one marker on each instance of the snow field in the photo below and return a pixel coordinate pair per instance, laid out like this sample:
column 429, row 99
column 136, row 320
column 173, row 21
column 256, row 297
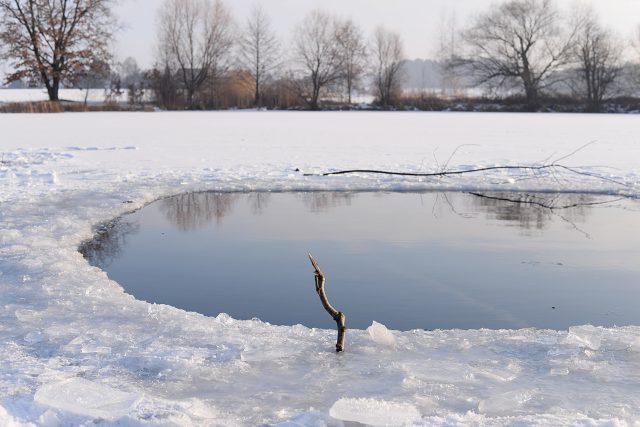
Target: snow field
column 77, row 95
column 77, row 350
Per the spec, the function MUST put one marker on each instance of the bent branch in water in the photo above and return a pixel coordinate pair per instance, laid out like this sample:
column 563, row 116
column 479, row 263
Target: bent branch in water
column 338, row 316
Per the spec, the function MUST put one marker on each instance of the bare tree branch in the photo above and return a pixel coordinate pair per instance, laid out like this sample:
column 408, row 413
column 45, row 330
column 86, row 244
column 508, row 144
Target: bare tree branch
column 549, row 167
column 338, row 316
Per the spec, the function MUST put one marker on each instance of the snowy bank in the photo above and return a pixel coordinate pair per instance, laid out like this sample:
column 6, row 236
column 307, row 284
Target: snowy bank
column 75, row 95
column 75, row 349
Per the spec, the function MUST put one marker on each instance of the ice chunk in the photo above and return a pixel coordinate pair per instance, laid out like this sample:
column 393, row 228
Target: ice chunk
column 7, row 420
column 83, row 397
column 197, row 409
column 381, row 335
column 375, row 412
column 586, row 336
column 506, row 403
column 8, row 236
column 310, row 419
column 34, row 337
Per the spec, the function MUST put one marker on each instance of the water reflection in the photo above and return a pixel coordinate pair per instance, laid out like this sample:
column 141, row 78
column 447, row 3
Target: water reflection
column 259, row 202
column 191, row 211
column 528, row 211
column 322, row 201
column 108, row 241
column 536, row 211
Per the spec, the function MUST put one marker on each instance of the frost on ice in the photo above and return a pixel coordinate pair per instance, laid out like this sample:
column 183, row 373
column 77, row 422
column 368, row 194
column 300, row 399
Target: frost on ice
column 77, row 350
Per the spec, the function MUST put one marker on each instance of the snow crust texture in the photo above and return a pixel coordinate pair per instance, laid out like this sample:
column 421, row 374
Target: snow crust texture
column 75, row 349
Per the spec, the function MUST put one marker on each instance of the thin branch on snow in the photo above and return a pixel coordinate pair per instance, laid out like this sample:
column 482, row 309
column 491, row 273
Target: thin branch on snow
column 551, row 168
column 338, row 316
column 574, row 152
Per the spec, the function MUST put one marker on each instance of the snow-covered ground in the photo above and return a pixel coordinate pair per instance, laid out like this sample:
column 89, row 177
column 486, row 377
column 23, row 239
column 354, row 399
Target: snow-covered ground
column 77, row 95
column 76, row 350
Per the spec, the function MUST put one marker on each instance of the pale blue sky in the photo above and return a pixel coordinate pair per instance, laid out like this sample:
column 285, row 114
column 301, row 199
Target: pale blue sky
column 417, row 20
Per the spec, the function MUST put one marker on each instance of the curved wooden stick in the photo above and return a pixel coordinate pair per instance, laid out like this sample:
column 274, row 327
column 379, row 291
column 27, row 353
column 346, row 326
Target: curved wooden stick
column 338, row 316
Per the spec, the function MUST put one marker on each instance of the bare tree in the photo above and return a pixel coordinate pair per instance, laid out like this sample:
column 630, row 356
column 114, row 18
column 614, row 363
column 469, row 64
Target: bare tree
column 598, row 56
column 55, row 41
column 388, row 57
column 448, row 53
column 94, row 75
column 129, row 71
column 353, row 49
column 317, row 52
column 259, row 50
column 164, row 87
column 636, row 45
column 518, row 43
column 195, row 38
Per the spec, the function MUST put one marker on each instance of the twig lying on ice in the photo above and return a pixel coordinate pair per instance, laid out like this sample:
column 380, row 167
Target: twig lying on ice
column 551, row 167
column 461, row 172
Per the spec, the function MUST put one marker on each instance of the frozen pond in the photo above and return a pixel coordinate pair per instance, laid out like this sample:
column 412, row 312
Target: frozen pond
column 408, row 260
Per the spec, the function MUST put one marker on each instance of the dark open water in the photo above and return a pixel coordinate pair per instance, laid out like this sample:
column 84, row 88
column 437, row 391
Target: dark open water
column 407, row 260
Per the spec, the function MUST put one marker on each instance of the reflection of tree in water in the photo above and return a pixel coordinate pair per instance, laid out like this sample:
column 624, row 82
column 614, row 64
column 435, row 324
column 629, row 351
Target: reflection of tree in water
column 323, row 200
column 193, row 210
column 535, row 211
column 109, row 240
column 259, row 202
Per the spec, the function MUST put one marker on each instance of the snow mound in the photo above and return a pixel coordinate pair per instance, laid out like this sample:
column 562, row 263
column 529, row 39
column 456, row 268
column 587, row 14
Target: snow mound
column 374, row 412
column 381, row 335
column 586, row 336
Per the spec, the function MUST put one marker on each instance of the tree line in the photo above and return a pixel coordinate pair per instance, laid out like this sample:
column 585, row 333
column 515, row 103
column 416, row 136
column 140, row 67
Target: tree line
column 524, row 49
